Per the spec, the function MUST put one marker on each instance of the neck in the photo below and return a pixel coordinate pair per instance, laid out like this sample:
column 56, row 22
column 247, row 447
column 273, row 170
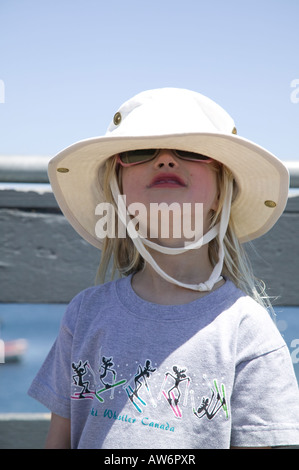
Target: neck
column 189, row 267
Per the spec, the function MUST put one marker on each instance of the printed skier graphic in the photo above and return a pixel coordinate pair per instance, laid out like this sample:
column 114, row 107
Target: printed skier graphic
column 134, row 385
column 173, row 394
column 209, row 407
column 83, row 379
column 105, row 369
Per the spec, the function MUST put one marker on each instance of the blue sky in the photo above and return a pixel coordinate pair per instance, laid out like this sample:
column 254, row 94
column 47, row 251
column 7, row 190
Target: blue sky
column 66, row 66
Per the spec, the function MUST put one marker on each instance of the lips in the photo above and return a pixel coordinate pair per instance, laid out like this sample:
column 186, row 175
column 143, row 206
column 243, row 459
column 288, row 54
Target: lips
column 167, row 180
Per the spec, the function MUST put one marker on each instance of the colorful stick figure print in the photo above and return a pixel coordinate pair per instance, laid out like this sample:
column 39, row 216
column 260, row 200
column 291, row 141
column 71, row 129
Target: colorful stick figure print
column 139, row 380
column 82, row 370
column 173, row 394
column 105, row 369
column 209, row 407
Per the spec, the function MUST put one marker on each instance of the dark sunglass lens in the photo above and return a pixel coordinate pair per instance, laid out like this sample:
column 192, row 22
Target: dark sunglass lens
column 191, row 155
column 136, row 156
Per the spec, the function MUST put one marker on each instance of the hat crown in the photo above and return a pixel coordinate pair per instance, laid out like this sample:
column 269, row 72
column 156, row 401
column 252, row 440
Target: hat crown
column 167, row 111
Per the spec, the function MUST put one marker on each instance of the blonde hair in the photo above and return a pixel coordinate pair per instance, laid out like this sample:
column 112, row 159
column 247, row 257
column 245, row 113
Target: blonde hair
column 236, row 266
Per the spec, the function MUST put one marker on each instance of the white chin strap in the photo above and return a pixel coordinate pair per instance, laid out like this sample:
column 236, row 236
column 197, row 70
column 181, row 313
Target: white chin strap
column 140, row 242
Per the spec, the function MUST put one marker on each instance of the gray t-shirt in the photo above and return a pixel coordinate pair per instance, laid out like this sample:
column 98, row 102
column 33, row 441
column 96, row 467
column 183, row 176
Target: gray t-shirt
column 212, row 373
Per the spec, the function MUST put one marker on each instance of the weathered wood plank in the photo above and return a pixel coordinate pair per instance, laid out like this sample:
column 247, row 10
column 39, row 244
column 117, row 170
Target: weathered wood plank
column 42, row 259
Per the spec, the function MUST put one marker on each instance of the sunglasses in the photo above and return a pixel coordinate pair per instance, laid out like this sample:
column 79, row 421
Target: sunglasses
column 135, row 157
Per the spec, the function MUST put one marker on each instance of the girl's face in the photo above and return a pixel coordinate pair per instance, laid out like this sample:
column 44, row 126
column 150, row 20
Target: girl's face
column 169, row 179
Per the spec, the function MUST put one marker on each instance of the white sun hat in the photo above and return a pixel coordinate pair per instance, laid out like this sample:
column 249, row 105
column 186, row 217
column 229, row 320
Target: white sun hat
column 174, row 119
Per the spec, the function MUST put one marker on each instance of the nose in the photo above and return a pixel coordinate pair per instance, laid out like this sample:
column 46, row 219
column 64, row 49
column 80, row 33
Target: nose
column 165, row 158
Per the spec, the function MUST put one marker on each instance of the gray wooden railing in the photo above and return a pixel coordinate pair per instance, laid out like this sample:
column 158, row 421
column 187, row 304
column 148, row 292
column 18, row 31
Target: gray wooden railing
column 43, row 260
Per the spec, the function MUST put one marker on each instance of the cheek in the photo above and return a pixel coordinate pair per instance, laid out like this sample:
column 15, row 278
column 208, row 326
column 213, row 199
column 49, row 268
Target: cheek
column 130, row 184
column 205, row 187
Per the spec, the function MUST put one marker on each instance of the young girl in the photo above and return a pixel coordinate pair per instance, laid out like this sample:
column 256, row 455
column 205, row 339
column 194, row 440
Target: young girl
column 180, row 352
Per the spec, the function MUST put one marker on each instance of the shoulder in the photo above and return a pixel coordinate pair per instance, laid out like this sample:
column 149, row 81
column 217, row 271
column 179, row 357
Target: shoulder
column 256, row 329
column 244, row 307
column 93, row 293
column 90, row 301
column 237, row 305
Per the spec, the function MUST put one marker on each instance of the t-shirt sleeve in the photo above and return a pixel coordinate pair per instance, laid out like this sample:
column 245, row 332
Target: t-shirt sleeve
column 51, row 386
column 265, row 401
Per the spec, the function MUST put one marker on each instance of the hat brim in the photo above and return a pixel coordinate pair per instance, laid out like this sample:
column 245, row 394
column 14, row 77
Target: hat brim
column 262, row 179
